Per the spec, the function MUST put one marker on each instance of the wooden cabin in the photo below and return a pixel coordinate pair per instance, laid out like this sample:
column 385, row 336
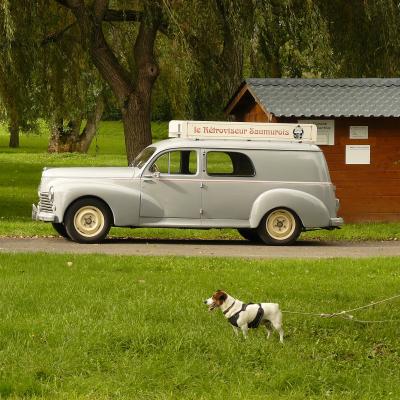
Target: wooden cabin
column 358, row 124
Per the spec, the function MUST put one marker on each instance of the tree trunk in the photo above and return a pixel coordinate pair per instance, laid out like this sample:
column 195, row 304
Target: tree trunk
column 69, row 139
column 55, row 134
column 14, row 134
column 91, row 127
column 136, row 114
column 136, row 119
column 63, row 139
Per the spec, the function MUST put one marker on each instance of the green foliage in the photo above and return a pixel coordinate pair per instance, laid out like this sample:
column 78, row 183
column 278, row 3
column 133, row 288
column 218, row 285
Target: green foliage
column 216, row 41
column 171, row 97
column 7, row 23
column 44, row 73
column 204, row 49
column 365, row 36
column 291, row 39
column 200, row 57
column 101, row 327
column 17, row 77
column 68, row 84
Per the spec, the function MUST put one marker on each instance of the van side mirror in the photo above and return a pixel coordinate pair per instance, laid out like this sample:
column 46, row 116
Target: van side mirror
column 156, row 174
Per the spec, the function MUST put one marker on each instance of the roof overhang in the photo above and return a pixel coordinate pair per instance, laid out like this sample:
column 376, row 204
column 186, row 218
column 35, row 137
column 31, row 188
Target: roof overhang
column 244, row 90
column 319, row 98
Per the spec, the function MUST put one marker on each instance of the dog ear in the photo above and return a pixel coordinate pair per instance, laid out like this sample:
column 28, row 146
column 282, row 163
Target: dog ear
column 220, row 296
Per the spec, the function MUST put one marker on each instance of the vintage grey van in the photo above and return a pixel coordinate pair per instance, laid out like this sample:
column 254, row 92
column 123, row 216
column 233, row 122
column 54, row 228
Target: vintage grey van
column 269, row 181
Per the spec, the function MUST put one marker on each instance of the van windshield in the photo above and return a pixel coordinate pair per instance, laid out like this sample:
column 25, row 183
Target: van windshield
column 143, row 157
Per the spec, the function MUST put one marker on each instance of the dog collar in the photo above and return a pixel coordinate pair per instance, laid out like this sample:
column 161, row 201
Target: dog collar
column 224, row 312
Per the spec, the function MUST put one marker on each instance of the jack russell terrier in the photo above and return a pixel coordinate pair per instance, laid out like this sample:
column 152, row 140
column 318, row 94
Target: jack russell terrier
column 244, row 316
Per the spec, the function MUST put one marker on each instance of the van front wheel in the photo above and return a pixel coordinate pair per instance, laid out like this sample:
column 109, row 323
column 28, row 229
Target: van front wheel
column 88, row 220
column 279, row 227
column 60, row 229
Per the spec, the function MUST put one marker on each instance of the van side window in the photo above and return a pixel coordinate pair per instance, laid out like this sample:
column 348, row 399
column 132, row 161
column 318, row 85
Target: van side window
column 229, row 163
column 182, row 162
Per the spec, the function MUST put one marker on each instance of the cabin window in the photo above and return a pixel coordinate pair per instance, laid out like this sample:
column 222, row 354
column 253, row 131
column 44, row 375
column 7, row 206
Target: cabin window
column 229, row 163
column 178, row 162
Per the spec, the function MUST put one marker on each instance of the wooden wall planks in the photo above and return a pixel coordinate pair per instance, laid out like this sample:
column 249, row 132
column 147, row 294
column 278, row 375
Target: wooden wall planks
column 367, row 192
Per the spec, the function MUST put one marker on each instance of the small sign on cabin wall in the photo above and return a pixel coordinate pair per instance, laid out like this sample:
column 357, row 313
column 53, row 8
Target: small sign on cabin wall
column 358, row 154
column 358, row 132
column 325, row 130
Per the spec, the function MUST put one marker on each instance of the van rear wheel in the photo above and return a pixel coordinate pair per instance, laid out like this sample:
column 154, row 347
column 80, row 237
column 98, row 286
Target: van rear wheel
column 279, row 227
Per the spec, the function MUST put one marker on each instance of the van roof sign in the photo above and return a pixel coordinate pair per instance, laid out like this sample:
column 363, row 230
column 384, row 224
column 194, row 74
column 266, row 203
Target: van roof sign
column 243, row 130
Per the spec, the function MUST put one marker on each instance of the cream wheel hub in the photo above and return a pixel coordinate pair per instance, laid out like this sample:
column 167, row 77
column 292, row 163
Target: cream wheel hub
column 89, row 221
column 280, row 224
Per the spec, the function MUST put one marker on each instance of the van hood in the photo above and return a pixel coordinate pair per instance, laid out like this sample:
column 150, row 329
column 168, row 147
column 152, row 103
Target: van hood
column 90, row 172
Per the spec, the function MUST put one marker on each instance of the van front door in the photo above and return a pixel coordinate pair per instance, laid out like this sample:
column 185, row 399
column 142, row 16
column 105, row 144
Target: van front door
column 170, row 188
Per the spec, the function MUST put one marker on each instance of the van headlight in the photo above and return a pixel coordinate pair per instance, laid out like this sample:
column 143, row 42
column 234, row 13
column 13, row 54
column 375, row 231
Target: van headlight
column 51, row 193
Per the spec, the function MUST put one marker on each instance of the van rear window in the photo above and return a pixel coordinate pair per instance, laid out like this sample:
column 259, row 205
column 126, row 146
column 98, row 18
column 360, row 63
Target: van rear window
column 229, row 163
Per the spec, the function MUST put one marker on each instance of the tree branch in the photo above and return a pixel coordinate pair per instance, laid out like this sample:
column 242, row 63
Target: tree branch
column 146, row 64
column 63, row 3
column 123, row 15
column 106, row 14
column 89, row 21
column 70, row 3
column 54, row 37
column 103, row 57
column 100, row 7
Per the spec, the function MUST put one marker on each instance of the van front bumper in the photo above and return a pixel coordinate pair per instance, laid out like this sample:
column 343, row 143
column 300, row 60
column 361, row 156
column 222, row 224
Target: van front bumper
column 336, row 222
column 38, row 215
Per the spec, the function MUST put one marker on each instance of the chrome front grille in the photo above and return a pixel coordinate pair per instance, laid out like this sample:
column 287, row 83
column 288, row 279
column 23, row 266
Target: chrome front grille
column 45, row 204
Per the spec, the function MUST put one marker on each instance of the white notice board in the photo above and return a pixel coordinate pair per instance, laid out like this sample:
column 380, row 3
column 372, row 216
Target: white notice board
column 325, row 130
column 358, row 132
column 358, row 154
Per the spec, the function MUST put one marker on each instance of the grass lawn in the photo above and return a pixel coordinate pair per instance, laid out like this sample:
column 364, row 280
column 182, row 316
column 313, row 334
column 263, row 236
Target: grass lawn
column 20, row 171
column 109, row 327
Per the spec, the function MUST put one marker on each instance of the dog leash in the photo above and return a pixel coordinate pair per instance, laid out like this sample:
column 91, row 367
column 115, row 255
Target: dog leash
column 345, row 314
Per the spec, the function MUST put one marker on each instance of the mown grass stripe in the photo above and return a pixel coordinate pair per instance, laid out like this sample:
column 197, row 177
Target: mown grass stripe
column 124, row 327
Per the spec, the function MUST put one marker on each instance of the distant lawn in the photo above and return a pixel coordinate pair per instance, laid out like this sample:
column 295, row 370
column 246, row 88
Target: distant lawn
column 107, row 327
column 21, row 169
column 20, row 172
column 109, row 140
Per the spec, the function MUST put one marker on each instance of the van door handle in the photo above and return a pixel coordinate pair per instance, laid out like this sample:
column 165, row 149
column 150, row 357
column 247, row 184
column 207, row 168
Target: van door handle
column 148, row 178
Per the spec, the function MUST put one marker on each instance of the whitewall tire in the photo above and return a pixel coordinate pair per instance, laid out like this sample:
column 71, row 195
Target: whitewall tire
column 280, row 226
column 88, row 220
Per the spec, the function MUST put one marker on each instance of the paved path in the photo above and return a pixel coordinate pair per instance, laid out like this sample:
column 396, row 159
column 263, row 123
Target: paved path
column 215, row 248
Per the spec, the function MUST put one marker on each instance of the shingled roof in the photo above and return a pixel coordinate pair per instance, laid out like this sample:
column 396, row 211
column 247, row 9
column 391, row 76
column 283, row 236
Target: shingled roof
column 367, row 97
